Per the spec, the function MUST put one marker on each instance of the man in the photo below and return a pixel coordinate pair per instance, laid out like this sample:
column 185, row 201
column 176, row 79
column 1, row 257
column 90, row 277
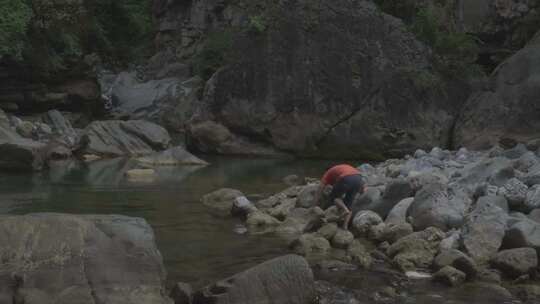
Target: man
column 346, row 182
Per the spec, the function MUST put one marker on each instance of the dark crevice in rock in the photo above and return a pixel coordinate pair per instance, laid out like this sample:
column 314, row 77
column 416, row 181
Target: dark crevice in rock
column 88, row 282
column 349, row 116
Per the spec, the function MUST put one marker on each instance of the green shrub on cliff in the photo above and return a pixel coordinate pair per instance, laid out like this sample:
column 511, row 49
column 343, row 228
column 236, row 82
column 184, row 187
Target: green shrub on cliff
column 14, row 18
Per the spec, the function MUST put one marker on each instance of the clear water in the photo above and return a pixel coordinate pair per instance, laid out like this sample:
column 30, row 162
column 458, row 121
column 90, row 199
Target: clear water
column 197, row 247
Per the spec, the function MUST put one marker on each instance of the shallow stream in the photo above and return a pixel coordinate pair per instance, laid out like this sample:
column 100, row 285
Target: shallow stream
column 197, row 247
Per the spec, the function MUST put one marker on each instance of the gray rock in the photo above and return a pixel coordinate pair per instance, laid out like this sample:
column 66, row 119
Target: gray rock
column 25, row 129
column 292, row 180
column 502, row 111
column 416, row 250
column 62, row 128
column 334, row 265
column 377, row 232
column 124, row 138
column 451, row 241
column 306, row 197
column 478, row 173
column 526, row 162
column 342, row 239
column 81, row 259
column 502, row 176
column 528, row 293
column 456, row 259
column 369, row 198
column 516, row 262
column 221, row 201
column 286, row 279
column 301, row 220
column 433, row 206
column 419, row 153
column 392, row 233
column 516, row 152
column 182, row 293
column 242, row 207
column 535, row 215
column 176, row 156
column 532, row 200
column 483, row 232
column 525, row 233
column 260, row 219
column 316, row 128
column 310, row 244
column 17, row 153
column 359, row 255
column 449, row 276
column 283, row 209
column 515, row 192
column 363, row 221
column 328, row 231
column 398, row 214
column 499, row 201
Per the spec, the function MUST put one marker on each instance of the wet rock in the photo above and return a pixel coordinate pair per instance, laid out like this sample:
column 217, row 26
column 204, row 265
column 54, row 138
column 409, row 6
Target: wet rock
column 124, row 138
column 182, row 293
column 376, row 233
column 392, row 233
column 456, row 259
column 333, row 215
column 516, row 152
column 342, row 239
column 419, row 180
column 359, row 255
column 260, row 219
column 369, row 198
column 286, row 279
column 416, row 250
column 306, row 197
column 301, row 220
column 242, row 207
column 176, row 156
column 483, row 232
column 283, row 209
column 433, row 206
column 489, row 276
column 81, row 259
column 528, row 293
column 515, row 192
column 309, row 244
column 449, row 276
column 22, row 155
column 398, row 214
column 363, row 221
column 516, row 262
column 221, row 201
column 328, row 231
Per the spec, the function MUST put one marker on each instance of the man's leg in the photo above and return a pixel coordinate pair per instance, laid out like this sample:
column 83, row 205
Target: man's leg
column 339, row 203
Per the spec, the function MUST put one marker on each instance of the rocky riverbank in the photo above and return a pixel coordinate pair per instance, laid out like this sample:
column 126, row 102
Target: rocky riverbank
column 453, row 217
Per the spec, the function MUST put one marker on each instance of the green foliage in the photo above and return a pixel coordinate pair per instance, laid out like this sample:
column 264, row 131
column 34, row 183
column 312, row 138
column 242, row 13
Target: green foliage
column 214, row 54
column 257, row 24
column 455, row 52
column 14, row 18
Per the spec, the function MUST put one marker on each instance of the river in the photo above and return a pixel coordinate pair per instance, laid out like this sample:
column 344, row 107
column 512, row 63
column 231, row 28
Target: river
column 197, row 248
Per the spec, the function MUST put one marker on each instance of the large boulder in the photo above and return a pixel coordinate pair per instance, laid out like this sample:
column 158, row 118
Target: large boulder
column 503, row 111
column 62, row 128
column 124, row 138
column 61, row 258
column 483, row 232
column 22, row 154
column 398, row 214
column 330, row 86
column 287, row 280
column 515, row 192
column 310, row 244
column 481, row 172
column 395, row 192
column 169, row 101
column 524, row 233
column 416, row 250
column 435, row 206
column 364, row 221
column 516, row 262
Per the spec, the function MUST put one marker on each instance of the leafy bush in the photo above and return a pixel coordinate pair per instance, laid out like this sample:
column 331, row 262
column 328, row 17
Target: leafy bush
column 14, row 19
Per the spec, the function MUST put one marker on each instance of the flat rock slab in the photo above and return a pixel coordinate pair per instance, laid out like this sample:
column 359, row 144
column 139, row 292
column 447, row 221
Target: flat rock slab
column 284, row 280
column 62, row 258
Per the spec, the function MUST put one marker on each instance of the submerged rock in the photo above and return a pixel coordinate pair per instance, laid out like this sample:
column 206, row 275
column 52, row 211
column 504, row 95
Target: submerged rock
column 62, row 258
column 176, row 156
column 221, row 201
